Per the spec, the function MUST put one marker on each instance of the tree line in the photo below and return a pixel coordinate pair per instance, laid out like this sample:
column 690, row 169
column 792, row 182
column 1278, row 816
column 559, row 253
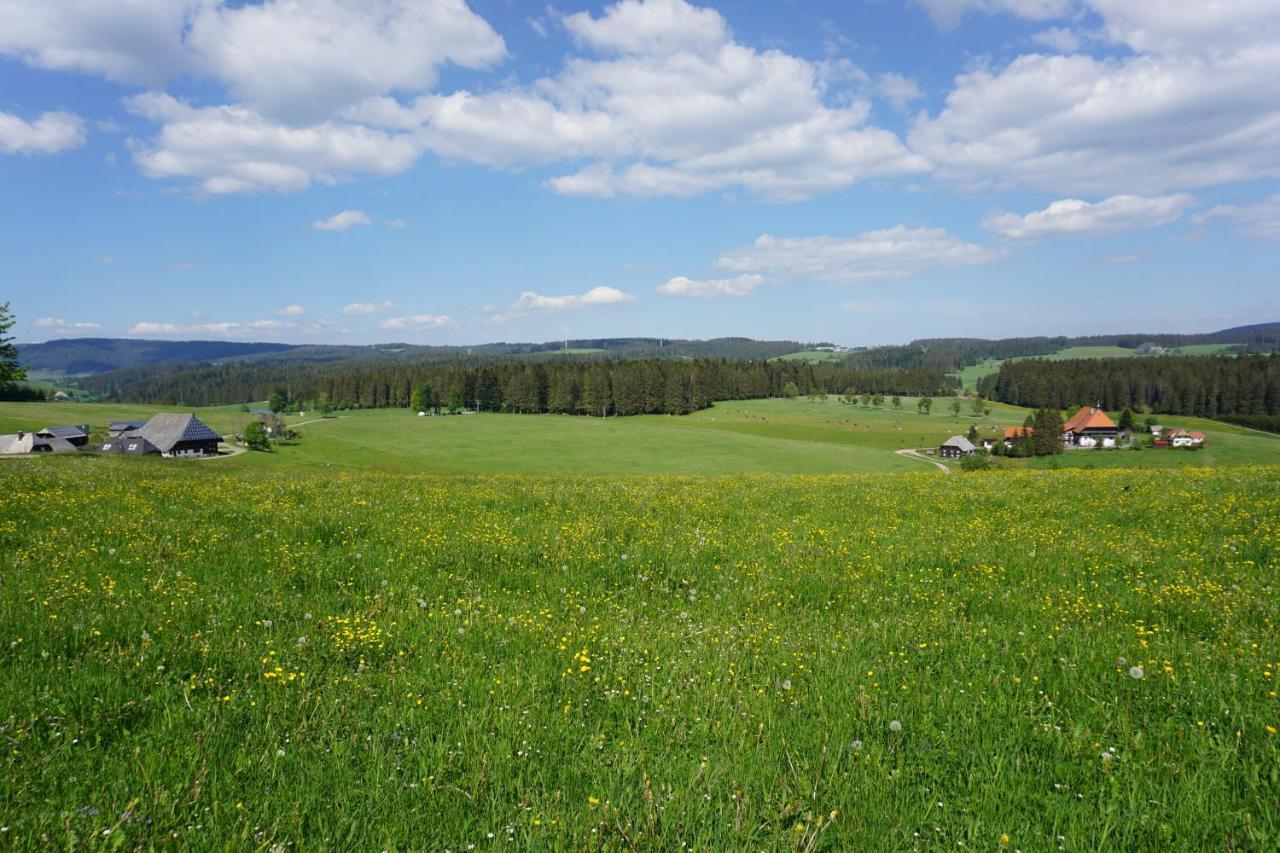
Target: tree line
column 648, row 386
column 1201, row 386
column 953, row 354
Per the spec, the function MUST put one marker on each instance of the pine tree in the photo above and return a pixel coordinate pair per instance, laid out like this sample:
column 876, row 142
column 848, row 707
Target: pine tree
column 11, row 369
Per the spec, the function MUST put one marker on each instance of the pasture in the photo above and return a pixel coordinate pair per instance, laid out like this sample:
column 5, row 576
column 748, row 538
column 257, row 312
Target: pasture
column 218, row 657
column 778, row 436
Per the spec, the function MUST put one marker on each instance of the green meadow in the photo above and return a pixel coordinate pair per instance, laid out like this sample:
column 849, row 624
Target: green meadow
column 779, row 436
column 481, row 631
column 211, row 656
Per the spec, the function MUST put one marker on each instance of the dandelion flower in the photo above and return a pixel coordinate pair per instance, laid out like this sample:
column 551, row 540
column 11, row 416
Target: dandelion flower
column 895, row 726
column 1136, row 672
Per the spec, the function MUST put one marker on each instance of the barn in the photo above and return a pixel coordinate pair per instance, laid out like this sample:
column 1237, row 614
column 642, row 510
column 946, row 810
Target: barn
column 168, row 435
column 955, row 447
column 76, row 435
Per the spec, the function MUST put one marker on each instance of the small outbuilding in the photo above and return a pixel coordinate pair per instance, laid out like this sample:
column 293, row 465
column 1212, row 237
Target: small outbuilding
column 115, row 429
column 77, row 435
column 1183, row 438
column 955, row 447
column 30, row 442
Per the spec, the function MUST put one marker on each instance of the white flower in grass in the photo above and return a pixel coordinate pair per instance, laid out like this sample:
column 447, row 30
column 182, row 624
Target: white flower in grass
column 1136, row 672
column 895, row 726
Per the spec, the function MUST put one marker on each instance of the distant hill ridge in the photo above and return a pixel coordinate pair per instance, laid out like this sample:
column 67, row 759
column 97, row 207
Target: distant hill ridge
column 94, row 356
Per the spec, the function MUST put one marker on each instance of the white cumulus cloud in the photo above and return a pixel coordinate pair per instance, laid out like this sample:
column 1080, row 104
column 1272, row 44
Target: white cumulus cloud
column 342, row 220
column 711, row 288
column 948, row 13
column 531, row 302
column 1190, row 104
column 50, row 133
column 666, row 102
column 1074, row 216
column 62, row 327
column 305, row 61
column 267, row 328
column 417, row 322
column 291, row 311
column 1260, row 219
column 896, row 252
column 231, row 149
column 367, row 309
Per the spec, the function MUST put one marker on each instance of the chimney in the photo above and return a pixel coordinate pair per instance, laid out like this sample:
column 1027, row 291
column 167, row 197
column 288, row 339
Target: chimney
column 20, row 435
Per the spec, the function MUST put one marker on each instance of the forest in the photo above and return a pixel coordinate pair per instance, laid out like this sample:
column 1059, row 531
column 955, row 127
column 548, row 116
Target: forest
column 1202, row 386
column 661, row 386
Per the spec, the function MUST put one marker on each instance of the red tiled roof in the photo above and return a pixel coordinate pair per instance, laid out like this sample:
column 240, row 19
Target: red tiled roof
column 1011, row 433
column 1088, row 418
column 1198, row 436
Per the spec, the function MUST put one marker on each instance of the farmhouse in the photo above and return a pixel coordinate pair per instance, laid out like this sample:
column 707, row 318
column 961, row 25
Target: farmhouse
column 955, row 447
column 1090, row 427
column 168, row 435
column 29, row 442
column 1013, row 434
column 77, row 436
column 1183, row 438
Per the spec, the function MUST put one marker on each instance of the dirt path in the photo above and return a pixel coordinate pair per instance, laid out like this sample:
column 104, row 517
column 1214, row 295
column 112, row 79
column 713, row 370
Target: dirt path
column 317, row 421
column 915, row 454
column 232, row 450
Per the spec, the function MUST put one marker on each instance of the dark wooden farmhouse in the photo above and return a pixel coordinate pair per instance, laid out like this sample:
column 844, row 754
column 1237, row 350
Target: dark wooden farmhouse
column 167, row 435
column 955, row 447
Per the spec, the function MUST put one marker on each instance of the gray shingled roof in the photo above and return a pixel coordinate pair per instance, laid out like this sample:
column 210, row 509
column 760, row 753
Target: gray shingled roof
column 65, row 431
column 166, row 430
column 128, row 444
column 52, row 445
column 959, row 441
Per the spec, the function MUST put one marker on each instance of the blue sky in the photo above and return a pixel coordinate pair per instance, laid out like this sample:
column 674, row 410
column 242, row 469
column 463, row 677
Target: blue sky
column 440, row 171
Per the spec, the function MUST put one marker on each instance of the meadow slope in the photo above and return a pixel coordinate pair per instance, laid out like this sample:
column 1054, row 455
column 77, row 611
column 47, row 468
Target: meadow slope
column 777, row 436
column 217, row 657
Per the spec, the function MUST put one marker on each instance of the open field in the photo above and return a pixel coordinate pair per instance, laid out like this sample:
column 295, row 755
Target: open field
column 222, row 658
column 814, row 356
column 972, row 374
column 796, row 436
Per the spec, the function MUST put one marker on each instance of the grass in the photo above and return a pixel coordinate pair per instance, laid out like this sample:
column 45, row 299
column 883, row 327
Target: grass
column 796, row 436
column 972, row 374
column 218, row 658
column 814, row 356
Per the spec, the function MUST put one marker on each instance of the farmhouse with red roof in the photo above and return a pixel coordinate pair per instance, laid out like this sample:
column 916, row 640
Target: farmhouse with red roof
column 1090, row 427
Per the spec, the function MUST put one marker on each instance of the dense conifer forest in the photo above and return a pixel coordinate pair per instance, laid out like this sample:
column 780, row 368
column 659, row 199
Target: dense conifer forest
column 635, row 387
column 1203, row 386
